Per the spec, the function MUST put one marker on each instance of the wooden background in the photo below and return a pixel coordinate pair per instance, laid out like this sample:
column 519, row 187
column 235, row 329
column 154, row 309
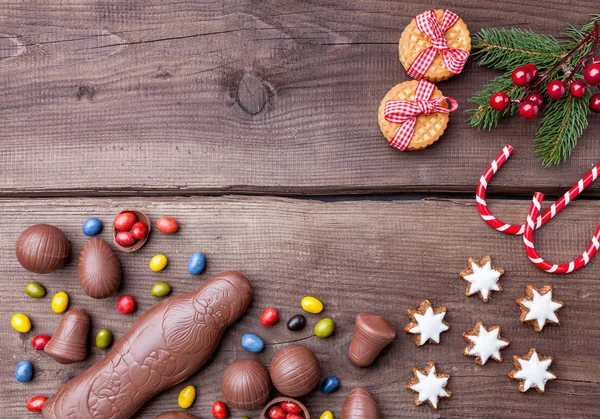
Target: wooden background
column 175, row 107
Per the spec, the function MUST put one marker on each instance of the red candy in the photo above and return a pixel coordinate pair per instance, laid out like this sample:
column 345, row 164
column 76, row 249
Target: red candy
column 35, row 403
column 167, row 225
column 124, row 221
column 125, row 238
column 126, row 304
column 219, row 410
column 269, row 317
column 38, row 342
column 291, row 407
column 293, row 416
column 276, row 412
column 139, row 230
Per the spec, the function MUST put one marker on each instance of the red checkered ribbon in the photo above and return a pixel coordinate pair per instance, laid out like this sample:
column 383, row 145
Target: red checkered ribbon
column 404, row 112
column 454, row 58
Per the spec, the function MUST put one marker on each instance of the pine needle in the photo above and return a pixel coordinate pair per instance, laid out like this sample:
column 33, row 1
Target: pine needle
column 484, row 117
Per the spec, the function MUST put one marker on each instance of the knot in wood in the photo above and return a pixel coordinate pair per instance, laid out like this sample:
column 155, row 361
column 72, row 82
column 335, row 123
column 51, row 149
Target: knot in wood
column 252, row 94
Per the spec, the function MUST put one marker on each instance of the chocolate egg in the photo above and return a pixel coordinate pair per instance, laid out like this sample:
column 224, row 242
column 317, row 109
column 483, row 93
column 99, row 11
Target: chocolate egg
column 360, row 405
column 295, row 370
column 176, row 415
column 143, row 218
column 99, row 269
column 246, row 384
column 42, row 248
column 279, row 400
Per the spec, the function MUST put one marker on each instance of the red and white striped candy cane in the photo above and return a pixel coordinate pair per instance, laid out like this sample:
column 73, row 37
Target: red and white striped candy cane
column 562, row 268
column 546, row 216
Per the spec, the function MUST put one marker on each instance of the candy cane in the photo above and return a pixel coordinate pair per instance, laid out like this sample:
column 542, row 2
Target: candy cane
column 562, row 268
column 550, row 213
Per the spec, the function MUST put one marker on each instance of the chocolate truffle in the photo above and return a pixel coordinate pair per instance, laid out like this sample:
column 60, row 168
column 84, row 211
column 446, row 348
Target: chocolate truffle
column 246, row 384
column 295, row 370
column 42, row 248
column 99, row 269
column 278, row 400
column 360, row 405
column 69, row 342
column 176, row 415
column 372, row 333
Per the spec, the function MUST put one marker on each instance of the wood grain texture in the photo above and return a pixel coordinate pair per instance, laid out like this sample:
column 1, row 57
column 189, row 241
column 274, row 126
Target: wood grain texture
column 356, row 256
column 225, row 96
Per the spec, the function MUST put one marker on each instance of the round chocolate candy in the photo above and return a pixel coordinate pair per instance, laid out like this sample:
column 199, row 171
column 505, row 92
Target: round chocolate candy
column 295, row 370
column 42, row 248
column 296, row 323
column 99, row 269
column 246, row 384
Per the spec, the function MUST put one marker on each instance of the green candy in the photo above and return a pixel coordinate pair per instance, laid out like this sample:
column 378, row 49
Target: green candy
column 35, row 290
column 324, row 328
column 103, row 339
column 160, row 289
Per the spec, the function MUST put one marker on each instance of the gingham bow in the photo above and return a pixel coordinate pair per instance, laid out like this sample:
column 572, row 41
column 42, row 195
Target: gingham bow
column 454, row 58
column 404, row 112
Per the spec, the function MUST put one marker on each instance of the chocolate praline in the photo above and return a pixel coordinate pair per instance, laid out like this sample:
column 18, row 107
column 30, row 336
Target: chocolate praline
column 42, row 248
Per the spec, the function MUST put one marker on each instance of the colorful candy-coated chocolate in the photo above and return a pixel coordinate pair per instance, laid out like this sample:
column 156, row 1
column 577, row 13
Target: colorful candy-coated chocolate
column 104, row 339
column 91, row 226
column 296, row 323
column 21, row 323
column 126, row 304
column 60, row 302
column 186, row 397
column 139, row 230
column 269, row 317
column 290, row 407
column 24, row 371
column 219, row 410
column 311, row 305
column 324, row 328
column 160, row 289
column 276, row 412
column 167, row 225
column 158, row 263
column 330, row 384
column 197, row 263
column 326, row 415
column 39, row 342
column 124, row 221
column 125, row 238
column 35, row 290
column 293, row 416
column 35, row 403
column 252, row 343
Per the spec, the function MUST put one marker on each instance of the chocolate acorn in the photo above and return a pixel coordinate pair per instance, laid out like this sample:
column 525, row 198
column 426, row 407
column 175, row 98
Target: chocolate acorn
column 99, row 269
column 69, row 342
column 372, row 333
column 282, row 399
column 42, row 248
column 360, row 405
column 295, row 370
column 246, row 384
column 176, row 415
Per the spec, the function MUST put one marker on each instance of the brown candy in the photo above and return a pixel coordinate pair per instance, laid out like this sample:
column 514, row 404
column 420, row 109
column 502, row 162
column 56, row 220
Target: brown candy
column 42, row 248
column 69, row 342
column 372, row 333
column 167, row 344
column 246, row 384
column 278, row 400
column 360, row 405
column 176, row 415
column 295, row 370
column 99, row 269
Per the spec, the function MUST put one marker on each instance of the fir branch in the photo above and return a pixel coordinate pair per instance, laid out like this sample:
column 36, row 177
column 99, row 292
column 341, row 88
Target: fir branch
column 484, row 117
column 578, row 34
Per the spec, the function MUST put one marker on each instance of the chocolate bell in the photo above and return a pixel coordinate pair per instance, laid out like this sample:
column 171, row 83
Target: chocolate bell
column 372, row 333
column 69, row 341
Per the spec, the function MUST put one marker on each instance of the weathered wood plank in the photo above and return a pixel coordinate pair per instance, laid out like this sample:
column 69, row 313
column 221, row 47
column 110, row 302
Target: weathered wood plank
column 356, row 256
column 262, row 97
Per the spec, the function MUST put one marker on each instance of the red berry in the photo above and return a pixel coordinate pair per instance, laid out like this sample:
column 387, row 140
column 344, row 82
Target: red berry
column 535, row 98
column 219, row 410
column 521, row 77
column 167, row 225
column 596, row 59
column 35, row 403
column 556, row 89
column 293, row 416
column 269, row 317
column 126, row 304
column 38, row 342
column 499, row 101
column 290, row 407
column 124, row 221
column 528, row 110
column 532, row 70
column 276, row 412
column 139, row 230
column 595, row 103
column 577, row 88
column 591, row 74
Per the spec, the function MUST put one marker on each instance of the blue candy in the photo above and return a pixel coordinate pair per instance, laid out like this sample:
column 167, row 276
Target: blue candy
column 330, row 384
column 197, row 263
column 252, row 343
column 24, row 371
column 92, row 226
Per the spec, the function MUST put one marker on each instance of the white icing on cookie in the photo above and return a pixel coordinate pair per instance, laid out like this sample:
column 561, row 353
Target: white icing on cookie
column 487, row 344
column 430, row 387
column 430, row 326
column 484, row 279
column 541, row 308
column 534, row 372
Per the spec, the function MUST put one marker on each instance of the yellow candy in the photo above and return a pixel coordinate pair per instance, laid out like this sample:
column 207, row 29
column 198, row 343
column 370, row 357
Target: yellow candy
column 21, row 323
column 326, row 415
column 158, row 263
column 311, row 305
column 186, row 397
column 60, row 302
